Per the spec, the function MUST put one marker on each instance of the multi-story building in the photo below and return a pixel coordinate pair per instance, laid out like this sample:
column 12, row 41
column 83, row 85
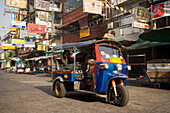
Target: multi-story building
column 78, row 25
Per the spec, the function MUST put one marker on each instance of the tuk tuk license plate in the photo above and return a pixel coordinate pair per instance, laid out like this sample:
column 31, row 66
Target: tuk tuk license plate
column 115, row 60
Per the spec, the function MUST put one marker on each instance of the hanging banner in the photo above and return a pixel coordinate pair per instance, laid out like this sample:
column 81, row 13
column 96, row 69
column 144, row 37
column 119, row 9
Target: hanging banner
column 36, row 28
column 18, row 24
column 160, row 10
column 25, row 34
column 92, row 6
column 84, row 33
column 16, row 3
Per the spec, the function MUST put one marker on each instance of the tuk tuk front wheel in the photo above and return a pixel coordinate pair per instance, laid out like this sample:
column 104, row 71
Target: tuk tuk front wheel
column 60, row 90
column 122, row 97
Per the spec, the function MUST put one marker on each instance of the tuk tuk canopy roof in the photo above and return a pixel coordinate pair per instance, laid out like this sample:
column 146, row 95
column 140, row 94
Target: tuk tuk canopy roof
column 85, row 43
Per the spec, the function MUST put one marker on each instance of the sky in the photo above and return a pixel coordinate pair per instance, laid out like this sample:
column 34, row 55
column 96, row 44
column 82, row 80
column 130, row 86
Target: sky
column 5, row 20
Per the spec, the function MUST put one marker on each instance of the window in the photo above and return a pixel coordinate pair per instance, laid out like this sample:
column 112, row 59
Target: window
column 71, row 5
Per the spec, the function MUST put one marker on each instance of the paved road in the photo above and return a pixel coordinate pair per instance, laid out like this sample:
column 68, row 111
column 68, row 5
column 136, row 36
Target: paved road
column 21, row 93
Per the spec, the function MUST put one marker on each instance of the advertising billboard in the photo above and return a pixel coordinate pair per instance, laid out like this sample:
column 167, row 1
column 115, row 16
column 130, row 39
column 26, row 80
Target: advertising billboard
column 16, row 3
column 45, row 5
column 18, row 24
column 92, row 6
column 36, row 28
column 160, row 10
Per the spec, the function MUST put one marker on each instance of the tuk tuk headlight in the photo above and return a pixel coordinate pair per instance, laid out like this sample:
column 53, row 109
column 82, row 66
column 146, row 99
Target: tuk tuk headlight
column 104, row 66
column 119, row 67
column 128, row 67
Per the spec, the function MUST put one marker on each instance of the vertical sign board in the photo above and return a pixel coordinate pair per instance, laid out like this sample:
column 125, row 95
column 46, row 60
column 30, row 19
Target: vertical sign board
column 92, row 6
column 36, row 28
column 160, row 10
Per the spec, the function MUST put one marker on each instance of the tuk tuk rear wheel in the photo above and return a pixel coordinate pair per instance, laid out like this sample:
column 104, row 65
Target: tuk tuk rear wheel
column 60, row 90
column 122, row 97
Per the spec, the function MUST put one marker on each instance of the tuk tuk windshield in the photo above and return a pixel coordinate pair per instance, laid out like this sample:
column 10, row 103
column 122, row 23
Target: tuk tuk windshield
column 107, row 51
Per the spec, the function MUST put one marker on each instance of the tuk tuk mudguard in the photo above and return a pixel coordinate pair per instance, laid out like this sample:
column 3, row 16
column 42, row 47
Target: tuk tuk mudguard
column 103, row 77
column 63, row 76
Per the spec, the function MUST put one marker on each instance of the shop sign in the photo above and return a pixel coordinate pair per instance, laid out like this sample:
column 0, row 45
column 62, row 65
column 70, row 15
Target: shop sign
column 36, row 28
column 29, row 44
column 26, row 34
column 16, row 3
column 18, row 24
column 45, row 5
column 44, row 16
column 141, row 14
column 84, row 33
column 13, row 29
column 41, row 47
column 160, row 10
column 6, row 10
column 8, row 46
column 14, row 11
column 38, row 21
column 92, row 6
column 140, row 25
column 17, row 41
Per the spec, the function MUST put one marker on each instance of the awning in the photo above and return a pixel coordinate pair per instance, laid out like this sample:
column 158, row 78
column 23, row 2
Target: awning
column 141, row 44
column 76, row 19
column 55, row 52
column 160, row 35
column 38, row 58
column 3, row 61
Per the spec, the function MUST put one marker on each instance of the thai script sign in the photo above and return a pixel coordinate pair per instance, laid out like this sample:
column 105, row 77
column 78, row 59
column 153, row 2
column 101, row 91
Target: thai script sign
column 29, row 44
column 92, row 6
column 36, row 28
column 140, row 25
column 160, row 10
column 141, row 14
column 8, row 46
column 14, row 11
column 16, row 3
column 41, row 47
column 84, row 33
column 18, row 24
column 18, row 42
column 25, row 34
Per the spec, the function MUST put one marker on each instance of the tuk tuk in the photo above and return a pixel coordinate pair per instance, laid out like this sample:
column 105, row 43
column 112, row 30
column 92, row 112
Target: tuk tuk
column 107, row 75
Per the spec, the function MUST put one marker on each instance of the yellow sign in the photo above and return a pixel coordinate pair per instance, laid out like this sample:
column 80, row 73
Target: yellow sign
column 18, row 41
column 84, row 33
column 65, row 76
column 16, row 3
column 41, row 47
column 13, row 28
column 8, row 47
column 115, row 60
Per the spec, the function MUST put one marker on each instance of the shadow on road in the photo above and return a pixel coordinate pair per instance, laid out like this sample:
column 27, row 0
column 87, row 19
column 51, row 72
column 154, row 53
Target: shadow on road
column 76, row 95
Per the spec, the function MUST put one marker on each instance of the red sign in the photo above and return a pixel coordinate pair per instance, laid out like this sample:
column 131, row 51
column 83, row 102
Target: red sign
column 36, row 28
column 140, row 25
column 160, row 10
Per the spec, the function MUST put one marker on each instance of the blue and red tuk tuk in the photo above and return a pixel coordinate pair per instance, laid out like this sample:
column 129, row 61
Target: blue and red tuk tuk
column 107, row 75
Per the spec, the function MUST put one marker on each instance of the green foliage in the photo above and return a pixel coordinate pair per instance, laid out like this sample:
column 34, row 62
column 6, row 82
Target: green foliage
column 9, row 55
